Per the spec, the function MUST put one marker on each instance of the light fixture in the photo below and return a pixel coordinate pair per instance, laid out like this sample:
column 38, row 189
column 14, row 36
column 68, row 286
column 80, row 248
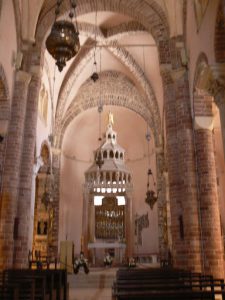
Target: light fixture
column 99, row 156
column 94, row 75
column 151, row 197
column 63, row 42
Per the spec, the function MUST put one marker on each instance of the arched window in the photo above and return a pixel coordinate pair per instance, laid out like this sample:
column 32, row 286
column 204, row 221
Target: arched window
column 111, row 154
column 105, row 154
column 117, row 154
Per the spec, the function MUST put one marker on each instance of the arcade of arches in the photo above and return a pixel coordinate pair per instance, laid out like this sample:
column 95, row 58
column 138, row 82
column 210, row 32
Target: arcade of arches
column 161, row 65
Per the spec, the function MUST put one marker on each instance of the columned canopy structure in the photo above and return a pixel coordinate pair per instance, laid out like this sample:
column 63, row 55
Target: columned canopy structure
column 107, row 217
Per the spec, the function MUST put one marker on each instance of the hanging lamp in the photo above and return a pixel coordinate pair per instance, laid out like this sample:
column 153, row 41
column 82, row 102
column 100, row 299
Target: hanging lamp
column 151, row 197
column 63, row 42
column 94, row 75
column 99, row 157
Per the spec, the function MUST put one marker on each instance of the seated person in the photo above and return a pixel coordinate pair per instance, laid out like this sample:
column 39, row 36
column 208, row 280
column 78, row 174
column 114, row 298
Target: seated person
column 81, row 262
column 132, row 262
column 108, row 260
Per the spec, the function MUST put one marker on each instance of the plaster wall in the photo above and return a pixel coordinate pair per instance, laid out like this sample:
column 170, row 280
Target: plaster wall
column 80, row 140
column 8, row 42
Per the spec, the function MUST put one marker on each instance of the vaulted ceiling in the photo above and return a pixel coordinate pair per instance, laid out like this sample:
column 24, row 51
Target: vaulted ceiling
column 127, row 35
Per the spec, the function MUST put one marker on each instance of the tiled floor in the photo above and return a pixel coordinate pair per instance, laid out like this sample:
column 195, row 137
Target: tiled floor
column 96, row 285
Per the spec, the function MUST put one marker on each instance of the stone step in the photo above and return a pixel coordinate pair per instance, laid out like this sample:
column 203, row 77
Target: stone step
column 94, row 279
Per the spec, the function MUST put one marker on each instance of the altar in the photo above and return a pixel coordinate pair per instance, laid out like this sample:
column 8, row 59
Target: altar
column 98, row 250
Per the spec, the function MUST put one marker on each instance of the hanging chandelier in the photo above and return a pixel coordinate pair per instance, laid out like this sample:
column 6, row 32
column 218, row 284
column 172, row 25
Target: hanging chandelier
column 151, row 197
column 63, row 42
column 94, row 75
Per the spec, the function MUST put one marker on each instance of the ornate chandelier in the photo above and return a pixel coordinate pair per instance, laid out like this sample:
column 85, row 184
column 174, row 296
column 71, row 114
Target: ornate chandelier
column 94, row 75
column 151, row 197
column 63, row 42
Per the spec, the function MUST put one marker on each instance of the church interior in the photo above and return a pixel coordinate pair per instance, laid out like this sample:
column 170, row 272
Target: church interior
column 112, row 133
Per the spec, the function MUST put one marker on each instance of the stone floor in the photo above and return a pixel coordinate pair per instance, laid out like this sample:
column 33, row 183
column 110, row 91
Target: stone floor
column 96, row 285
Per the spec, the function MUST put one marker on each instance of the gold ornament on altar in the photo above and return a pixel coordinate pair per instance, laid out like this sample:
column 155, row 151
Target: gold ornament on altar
column 110, row 119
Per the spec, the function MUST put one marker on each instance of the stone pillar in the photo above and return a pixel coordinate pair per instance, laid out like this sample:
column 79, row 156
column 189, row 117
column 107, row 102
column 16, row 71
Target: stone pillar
column 24, row 202
column 8, row 221
column 161, row 202
column 85, row 218
column 187, row 166
column 129, row 227
column 56, row 155
column 208, row 198
column 173, row 165
column 185, row 232
column 221, row 106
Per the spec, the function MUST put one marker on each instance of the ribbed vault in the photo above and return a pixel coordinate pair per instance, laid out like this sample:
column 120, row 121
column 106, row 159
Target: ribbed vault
column 118, row 90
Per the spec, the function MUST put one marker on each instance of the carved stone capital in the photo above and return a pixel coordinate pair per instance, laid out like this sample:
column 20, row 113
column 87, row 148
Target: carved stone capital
column 212, row 80
column 23, row 77
column 178, row 73
column 203, row 122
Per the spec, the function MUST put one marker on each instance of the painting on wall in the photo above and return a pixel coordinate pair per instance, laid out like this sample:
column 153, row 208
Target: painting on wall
column 141, row 222
column 200, row 7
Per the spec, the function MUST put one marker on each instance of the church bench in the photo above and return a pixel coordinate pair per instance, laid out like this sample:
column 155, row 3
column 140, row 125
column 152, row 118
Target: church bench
column 52, row 284
column 18, row 290
column 158, row 274
column 165, row 295
column 19, row 281
column 161, row 284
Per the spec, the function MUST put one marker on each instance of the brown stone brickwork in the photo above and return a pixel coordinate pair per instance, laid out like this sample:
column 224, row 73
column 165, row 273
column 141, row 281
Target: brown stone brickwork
column 210, row 218
column 9, row 197
column 181, row 168
column 220, row 33
column 27, row 162
column 4, row 116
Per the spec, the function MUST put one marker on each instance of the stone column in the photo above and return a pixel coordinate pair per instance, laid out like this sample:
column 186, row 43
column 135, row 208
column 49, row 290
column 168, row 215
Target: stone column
column 56, row 156
column 185, row 231
column 8, row 219
column 208, row 198
column 85, row 218
column 187, row 166
column 129, row 226
column 24, row 202
column 221, row 105
column 173, row 165
column 161, row 202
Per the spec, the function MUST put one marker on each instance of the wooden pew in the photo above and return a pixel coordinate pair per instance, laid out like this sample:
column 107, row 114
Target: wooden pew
column 17, row 280
column 46, row 284
column 165, row 284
